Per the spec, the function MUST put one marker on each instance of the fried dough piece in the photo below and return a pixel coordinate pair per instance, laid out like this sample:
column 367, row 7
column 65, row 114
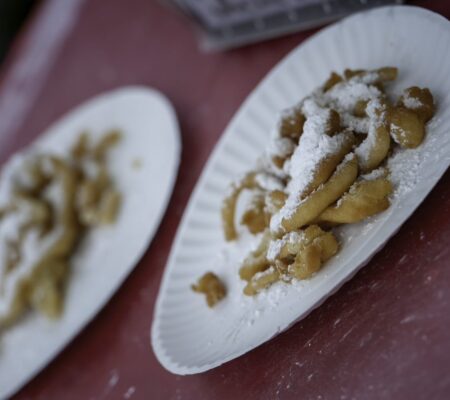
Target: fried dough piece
column 418, row 100
column 327, row 166
column 281, row 151
column 275, row 200
column 64, row 213
column 375, row 147
column 407, row 129
column 322, row 197
column 51, row 231
column 47, row 291
column 360, row 108
column 256, row 261
column 288, row 246
column 261, row 280
column 262, row 206
column 333, row 125
column 50, row 275
column 291, row 123
column 39, row 211
column 364, row 199
column 80, row 148
column 307, row 262
column 332, row 80
column 387, row 74
column 212, row 287
column 97, row 201
column 97, row 204
column 376, row 76
column 350, row 73
column 229, row 205
column 306, row 250
column 292, row 243
column 312, row 256
column 106, row 143
column 255, row 217
column 328, row 245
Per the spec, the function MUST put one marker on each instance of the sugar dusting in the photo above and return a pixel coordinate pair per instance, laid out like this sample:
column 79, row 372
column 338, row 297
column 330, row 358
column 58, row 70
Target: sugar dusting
column 375, row 174
column 268, row 182
column 281, row 147
column 397, row 133
column 345, row 95
column 411, row 102
column 276, row 245
column 314, row 147
column 377, row 117
column 404, row 167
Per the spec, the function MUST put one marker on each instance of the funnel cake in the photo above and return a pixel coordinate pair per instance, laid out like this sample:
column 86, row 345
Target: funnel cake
column 47, row 204
column 328, row 156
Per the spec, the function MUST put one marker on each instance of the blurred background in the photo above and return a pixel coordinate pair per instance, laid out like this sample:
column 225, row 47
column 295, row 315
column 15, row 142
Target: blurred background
column 13, row 13
column 221, row 24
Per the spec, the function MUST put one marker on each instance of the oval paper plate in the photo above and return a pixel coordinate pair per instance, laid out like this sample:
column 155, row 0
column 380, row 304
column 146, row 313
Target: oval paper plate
column 146, row 159
column 187, row 336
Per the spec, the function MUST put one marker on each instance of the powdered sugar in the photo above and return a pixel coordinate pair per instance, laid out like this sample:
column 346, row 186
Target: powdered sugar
column 281, row 147
column 411, row 102
column 274, row 249
column 345, row 95
column 276, row 245
column 404, row 167
column 266, row 272
column 15, row 174
column 398, row 133
column 375, row 174
column 268, row 182
column 356, row 124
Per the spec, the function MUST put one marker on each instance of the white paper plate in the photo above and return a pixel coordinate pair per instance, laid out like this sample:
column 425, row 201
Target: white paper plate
column 107, row 255
column 187, row 337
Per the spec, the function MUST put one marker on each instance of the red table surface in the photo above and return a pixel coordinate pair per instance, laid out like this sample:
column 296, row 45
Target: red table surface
column 384, row 335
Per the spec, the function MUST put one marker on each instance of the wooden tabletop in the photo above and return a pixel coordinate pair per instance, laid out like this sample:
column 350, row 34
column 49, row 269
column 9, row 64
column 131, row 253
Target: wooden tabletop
column 384, row 335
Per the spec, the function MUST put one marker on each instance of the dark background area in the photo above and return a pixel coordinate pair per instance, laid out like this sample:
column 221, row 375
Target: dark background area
column 13, row 14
